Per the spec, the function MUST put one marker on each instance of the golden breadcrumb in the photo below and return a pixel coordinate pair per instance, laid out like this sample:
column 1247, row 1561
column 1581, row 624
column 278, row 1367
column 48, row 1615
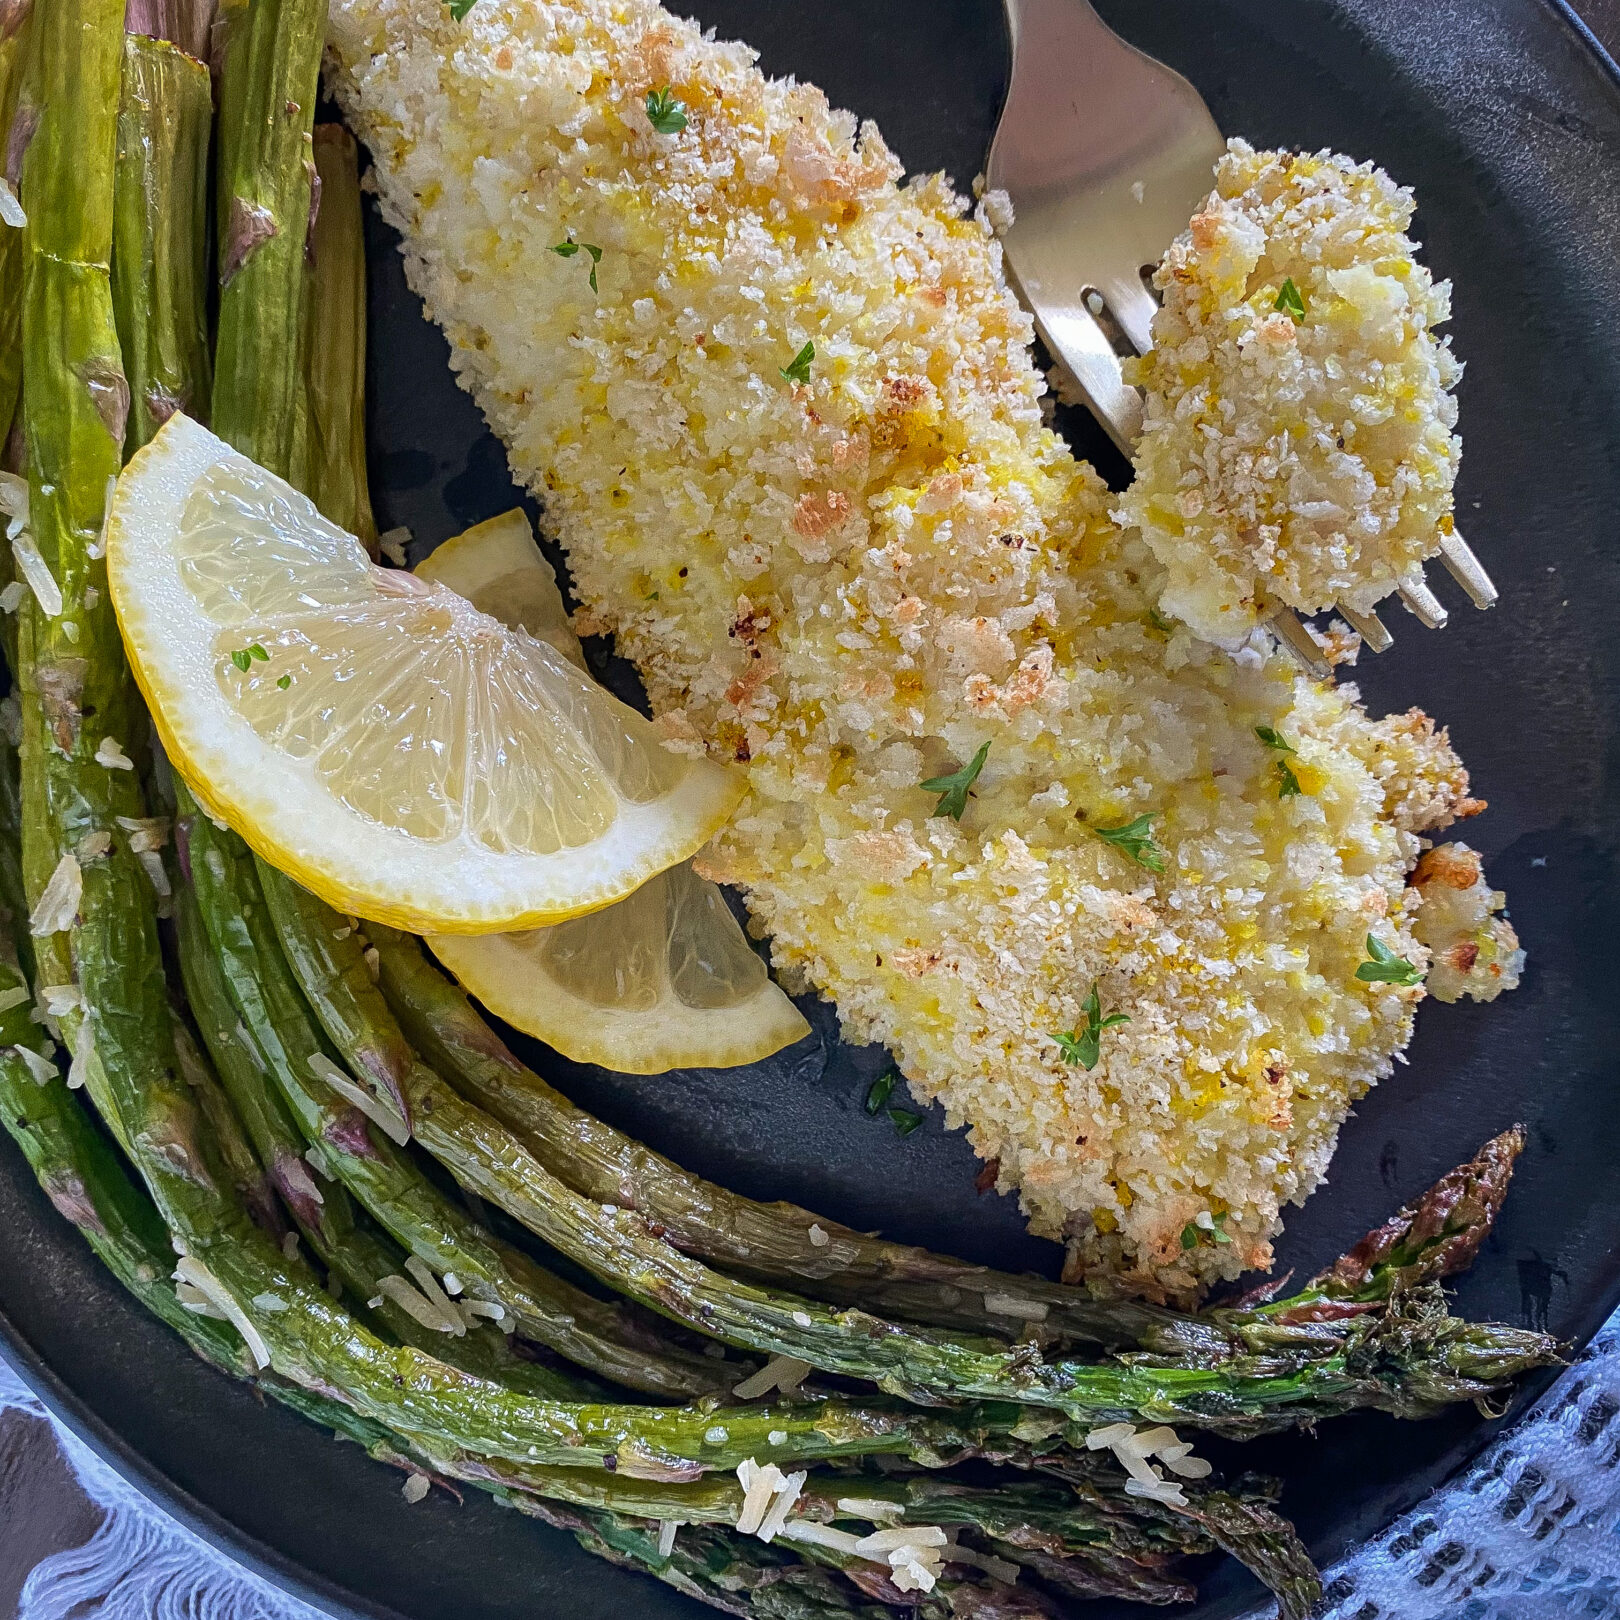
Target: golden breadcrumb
column 1474, row 952
column 1298, row 447
column 852, row 583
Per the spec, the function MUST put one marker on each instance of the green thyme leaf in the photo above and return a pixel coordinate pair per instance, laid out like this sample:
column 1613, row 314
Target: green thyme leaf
column 798, row 368
column 665, row 112
column 1192, row 1234
column 953, row 789
column 1274, row 739
column 1287, row 783
column 1289, row 300
column 1383, row 966
column 1135, row 838
column 1159, row 622
column 284, row 682
column 878, row 1092
column 1084, row 1045
column 905, row 1122
column 256, row 651
column 243, row 659
column 566, row 250
column 460, row 8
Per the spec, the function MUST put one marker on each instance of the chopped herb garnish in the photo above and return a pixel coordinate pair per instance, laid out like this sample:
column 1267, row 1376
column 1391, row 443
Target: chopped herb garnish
column 243, row 656
column 665, row 112
column 798, row 368
column 1159, row 622
column 568, row 249
column 878, row 1092
column 460, row 8
column 1192, row 1234
column 1290, row 301
column 1385, row 967
column 905, row 1122
column 953, row 789
column 1287, row 783
column 1084, row 1045
column 284, row 682
column 1135, row 838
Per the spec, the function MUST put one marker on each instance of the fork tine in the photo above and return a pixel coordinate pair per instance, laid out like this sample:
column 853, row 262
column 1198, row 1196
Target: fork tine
column 1372, row 630
column 1080, row 345
column 1467, row 570
column 1421, row 601
column 1134, row 307
column 1300, row 642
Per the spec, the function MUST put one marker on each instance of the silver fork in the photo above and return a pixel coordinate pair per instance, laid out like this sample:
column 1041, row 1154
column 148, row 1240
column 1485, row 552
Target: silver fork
column 1106, row 154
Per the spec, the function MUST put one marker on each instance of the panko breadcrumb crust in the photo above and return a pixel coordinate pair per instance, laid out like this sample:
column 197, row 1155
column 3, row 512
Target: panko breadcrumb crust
column 849, row 585
column 1297, row 448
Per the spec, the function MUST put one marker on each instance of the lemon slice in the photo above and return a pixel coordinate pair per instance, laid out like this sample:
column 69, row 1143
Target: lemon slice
column 384, row 743
column 498, row 568
column 662, row 980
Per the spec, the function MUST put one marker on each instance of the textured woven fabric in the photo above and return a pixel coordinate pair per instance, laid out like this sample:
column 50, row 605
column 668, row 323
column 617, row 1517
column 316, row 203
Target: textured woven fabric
column 1532, row 1532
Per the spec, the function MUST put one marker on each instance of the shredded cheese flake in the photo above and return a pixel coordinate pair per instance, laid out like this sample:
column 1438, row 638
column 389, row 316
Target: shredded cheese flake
column 33, row 568
column 59, row 900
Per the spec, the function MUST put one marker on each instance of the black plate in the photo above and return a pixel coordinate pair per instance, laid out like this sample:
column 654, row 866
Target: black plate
column 1507, row 122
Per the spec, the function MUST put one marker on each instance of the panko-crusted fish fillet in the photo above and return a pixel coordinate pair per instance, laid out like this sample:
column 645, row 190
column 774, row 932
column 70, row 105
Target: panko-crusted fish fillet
column 852, row 577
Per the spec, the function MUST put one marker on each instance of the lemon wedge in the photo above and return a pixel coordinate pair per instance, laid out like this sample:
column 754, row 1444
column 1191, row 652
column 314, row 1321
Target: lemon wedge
column 373, row 735
column 498, row 567
column 662, row 980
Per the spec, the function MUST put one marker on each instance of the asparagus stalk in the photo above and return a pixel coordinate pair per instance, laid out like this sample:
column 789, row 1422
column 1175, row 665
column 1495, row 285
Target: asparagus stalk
column 1240, row 1394
column 771, row 1242
column 267, row 91
column 71, row 1160
column 602, row 1337
column 160, row 229
column 1434, row 1238
column 236, row 1154
column 335, row 359
column 1417, row 1247
column 13, row 41
column 339, row 1236
column 1439, row 1237
column 82, row 1177
column 75, row 403
column 734, row 1574
column 185, row 23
